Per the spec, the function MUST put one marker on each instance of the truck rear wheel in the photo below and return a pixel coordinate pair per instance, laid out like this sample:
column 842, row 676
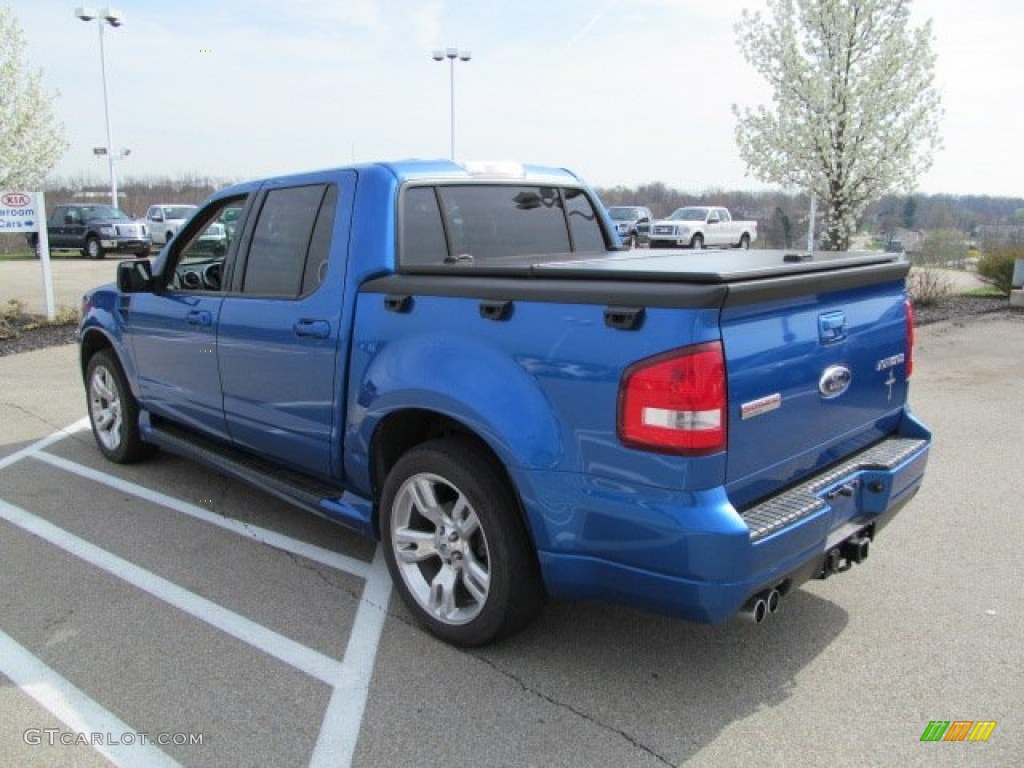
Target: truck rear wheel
column 456, row 546
column 744, row 242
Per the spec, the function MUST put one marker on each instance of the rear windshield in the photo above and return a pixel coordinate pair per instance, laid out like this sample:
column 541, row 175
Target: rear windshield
column 478, row 222
column 178, row 211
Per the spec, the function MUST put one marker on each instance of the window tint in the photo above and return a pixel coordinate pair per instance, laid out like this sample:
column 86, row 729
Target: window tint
column 583, row 224
column 320, row 245
column 280, row 241
column 488, row 222
column 422, row 233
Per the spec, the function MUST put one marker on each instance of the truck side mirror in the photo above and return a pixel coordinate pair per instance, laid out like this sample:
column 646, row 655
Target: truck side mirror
column 135, row 276
column 157, row 216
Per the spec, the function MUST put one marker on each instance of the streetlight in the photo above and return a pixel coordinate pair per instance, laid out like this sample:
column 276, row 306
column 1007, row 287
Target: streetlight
column 451, row 54
column 115, row 19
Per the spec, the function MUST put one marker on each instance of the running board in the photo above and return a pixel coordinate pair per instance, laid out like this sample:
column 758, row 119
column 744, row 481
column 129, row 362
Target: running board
column 293, row 487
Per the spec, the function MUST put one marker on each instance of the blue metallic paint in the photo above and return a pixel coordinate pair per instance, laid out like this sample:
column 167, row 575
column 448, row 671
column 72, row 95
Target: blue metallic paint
column 609, row 522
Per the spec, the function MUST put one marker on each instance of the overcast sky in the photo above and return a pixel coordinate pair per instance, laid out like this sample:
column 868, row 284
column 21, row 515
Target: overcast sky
column 621, row 91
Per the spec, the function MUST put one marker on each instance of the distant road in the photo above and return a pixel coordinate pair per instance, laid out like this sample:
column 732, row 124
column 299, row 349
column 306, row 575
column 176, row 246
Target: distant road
column 23, row 280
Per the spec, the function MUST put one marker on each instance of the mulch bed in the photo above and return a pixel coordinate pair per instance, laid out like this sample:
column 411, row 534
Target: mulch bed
column 963, row 308
column 23, row 333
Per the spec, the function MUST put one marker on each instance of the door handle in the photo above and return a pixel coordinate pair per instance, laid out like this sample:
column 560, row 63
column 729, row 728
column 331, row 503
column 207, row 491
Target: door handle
column 316, row 329
column 199, row 317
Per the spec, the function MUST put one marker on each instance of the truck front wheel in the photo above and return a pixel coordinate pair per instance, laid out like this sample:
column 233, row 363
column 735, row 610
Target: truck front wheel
column 697, row 242
column 113, row 411
column 456, row 545
column 93, row 249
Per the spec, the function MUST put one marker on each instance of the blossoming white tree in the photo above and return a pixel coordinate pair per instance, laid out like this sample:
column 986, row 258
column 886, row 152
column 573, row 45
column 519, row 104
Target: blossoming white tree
column 855, row 109
column 31, row 138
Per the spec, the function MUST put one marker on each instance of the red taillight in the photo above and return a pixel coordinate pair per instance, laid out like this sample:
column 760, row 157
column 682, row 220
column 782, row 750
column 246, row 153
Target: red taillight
column 909, row 314
column 675, row 402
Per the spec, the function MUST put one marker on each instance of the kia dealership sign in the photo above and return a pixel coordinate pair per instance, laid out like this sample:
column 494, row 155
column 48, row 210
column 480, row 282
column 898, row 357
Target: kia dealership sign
column 26, row 212
column 20, row 212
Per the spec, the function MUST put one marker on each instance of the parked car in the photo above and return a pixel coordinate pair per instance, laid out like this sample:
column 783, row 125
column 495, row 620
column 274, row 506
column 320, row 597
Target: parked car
column 456, row 360
column 95, row 230
column 696, row 226
column 165, row 220
column 631, row 223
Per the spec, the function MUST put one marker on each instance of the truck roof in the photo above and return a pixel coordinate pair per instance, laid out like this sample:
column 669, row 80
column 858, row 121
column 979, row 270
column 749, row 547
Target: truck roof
column 424, row 170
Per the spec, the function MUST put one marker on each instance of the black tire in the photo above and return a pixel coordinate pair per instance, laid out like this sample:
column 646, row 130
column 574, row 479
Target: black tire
column 633, row 242
column 113, row 411
column 744, row 242
column 697, row 242
column 470, row 576
column 93, row 249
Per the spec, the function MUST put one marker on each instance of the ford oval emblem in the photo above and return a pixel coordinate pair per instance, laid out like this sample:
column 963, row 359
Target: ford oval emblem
column 834, row 381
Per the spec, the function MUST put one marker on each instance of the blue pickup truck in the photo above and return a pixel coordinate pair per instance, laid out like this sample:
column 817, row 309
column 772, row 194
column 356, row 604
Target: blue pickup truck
column 461, row 361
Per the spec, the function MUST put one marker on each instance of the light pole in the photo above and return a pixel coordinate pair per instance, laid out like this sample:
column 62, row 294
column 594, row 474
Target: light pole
column 451, row 54
column 115, row 19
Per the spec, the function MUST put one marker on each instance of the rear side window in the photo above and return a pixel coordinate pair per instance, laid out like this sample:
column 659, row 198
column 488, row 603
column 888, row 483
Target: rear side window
column 586, row 232
column 479, row 222
column 320, row 245
column 281, row 241
column 422, row 233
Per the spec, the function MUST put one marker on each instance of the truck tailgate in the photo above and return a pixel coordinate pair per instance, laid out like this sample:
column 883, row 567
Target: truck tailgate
column 811, row 379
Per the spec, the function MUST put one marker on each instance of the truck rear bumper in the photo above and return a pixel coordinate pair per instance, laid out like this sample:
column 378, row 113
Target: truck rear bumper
column 694, row 555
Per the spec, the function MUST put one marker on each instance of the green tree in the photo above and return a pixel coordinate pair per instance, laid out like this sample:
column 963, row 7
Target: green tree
column 855, row 109
column 909, row 213
column 31, row 138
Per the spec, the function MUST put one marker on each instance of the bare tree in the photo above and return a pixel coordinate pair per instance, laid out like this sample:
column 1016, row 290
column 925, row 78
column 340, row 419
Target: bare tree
column 855, row 110
column 31, row 138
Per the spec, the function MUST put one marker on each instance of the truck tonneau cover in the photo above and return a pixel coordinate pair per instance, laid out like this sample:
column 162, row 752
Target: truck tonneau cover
column 712, row 266
column 704, row 266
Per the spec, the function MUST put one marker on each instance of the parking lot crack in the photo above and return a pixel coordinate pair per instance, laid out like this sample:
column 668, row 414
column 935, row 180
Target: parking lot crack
column 620, row 733
column 61, row 428
column 324, row 573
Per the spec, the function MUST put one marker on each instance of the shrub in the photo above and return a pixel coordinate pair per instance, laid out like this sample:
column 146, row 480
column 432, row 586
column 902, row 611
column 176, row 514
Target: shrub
column 928, row 285
column 996, row 265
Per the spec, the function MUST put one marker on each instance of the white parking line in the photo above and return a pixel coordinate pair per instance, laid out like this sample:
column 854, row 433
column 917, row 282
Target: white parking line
column 343, row 719
column 313, row 663
column 36, row 447
column 76, row 710
column 327, row 557
column 350, row 678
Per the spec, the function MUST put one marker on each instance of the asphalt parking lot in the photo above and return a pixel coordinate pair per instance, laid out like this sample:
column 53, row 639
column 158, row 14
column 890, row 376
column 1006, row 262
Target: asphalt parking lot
column 165, row 600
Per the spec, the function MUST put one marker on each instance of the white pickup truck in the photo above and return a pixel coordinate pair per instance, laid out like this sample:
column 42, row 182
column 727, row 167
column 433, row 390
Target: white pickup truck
column 697, row 226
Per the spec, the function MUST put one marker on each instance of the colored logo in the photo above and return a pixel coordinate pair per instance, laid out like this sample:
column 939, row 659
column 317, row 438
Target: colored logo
column 958, row 730
column 16, row 200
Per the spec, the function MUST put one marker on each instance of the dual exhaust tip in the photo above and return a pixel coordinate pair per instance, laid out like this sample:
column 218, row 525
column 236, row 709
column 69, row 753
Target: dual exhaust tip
column 838, row 559
column 761, row 606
